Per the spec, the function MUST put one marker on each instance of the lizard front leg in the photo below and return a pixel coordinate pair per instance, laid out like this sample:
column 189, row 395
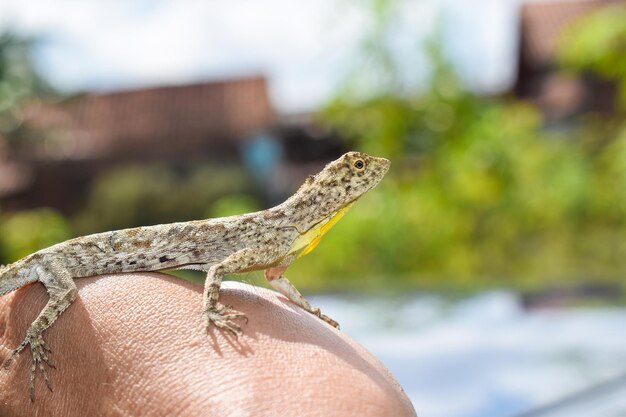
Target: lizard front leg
column 62, row 291
column 216, row 313
column 283, row 286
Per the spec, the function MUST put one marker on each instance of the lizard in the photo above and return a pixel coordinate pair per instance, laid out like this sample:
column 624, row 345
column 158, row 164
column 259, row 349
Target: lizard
column 270, row 240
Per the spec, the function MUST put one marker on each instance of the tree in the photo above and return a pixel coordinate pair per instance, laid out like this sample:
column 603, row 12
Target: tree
column 18, row 81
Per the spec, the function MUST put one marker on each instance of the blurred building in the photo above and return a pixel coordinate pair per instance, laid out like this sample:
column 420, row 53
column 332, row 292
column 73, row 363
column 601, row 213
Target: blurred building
column 173, row 122
column 63, row 146
column 15, row 177
column 560, row 97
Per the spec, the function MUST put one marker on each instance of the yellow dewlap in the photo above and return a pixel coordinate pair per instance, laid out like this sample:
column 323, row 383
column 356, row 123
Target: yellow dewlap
column 306, row 242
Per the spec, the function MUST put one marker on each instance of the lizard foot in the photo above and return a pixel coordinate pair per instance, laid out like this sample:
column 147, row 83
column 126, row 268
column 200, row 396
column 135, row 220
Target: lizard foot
column 318, row 313
column 39, row 352
column 222, row 317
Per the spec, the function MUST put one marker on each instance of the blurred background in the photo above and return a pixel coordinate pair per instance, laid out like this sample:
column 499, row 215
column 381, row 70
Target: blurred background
column 486, row 270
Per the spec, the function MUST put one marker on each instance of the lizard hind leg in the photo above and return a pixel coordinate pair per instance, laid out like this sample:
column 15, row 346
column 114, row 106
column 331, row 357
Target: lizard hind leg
column 40, row 359
column 62, row 291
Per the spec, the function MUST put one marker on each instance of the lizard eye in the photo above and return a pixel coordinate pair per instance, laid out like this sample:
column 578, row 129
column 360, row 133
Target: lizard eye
column 359, row 164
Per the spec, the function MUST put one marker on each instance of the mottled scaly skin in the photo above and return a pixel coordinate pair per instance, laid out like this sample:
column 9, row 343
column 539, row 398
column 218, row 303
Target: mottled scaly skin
column 269, row 240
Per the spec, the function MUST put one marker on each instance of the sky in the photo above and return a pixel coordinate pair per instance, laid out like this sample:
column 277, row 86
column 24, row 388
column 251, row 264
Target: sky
column 306, row 49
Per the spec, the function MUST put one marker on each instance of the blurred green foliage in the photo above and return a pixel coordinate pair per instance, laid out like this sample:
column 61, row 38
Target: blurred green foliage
column 232, row 205
column 18, row 81
column 596, row 43
column 145, row 195
column 478, row 193
column 28, row 231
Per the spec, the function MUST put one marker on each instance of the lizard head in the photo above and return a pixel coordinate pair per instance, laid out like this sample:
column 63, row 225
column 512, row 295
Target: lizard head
column 340, row 183
column 324, row 198
column 350, row 176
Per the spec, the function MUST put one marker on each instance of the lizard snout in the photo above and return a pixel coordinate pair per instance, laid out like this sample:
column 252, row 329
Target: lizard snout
column 385, row 164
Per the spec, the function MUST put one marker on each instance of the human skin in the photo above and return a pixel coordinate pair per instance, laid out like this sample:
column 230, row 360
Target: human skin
column 135, row 345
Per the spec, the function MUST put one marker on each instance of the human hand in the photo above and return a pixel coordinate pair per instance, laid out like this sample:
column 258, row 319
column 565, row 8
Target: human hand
column 135, row 344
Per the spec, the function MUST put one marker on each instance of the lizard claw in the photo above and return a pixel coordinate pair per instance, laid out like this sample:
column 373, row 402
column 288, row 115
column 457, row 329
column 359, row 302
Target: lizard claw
column 317, row 312
column 229, row 312
column 15, row 352
column 39, row 352
column 222, row 318
column 7, row 361
column 329, row 321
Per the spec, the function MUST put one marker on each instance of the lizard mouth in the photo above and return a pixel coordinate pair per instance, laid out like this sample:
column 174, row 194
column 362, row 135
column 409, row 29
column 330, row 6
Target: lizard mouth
column 386, row 164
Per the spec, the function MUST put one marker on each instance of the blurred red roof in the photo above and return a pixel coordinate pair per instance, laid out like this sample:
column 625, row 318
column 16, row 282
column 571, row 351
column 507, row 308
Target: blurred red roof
column 163, row 120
